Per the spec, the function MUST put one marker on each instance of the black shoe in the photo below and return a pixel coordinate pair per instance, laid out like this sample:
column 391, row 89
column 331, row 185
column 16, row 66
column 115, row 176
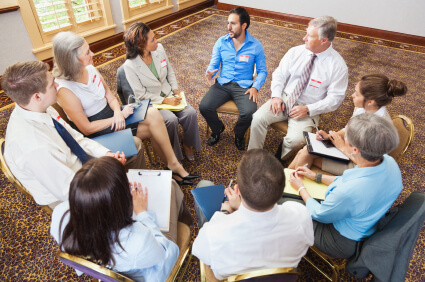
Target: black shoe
column 187, row 177
column 240, row 143
column 183, row 182
column 215, row 137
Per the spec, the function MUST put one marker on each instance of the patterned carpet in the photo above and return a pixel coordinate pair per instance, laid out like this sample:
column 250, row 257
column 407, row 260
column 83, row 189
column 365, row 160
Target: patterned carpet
column 28, row 252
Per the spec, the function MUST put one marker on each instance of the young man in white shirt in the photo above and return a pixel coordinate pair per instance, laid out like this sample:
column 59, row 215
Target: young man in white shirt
column 252, row 232
column 35, row 152
column 322, row 90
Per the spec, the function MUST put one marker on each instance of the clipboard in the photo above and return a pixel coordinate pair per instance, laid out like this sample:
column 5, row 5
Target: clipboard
column 139, row 113
column 158, row 183
column 179, row 107
column 316, row 190
column 316, row 147
column 121, row 140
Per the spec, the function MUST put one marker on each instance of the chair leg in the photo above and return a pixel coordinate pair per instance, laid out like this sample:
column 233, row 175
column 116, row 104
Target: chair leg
column 182, row 272
column 247, row 133
column 207, row 132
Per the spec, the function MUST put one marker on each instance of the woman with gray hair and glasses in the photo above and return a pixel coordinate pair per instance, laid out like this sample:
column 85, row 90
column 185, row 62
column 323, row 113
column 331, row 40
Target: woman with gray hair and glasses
column 355, row 201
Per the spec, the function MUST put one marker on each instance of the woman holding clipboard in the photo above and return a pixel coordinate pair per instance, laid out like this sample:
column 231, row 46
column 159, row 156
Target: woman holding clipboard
column 372, row 93
column 94, row 110
column 357, row 200
column 106, row 221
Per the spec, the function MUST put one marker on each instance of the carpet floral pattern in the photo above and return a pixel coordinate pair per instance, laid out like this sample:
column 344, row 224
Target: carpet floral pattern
column 28, row 252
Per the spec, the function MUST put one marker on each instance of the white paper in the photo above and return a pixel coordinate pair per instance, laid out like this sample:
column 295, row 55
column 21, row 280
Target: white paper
column 319, row 147
column 158, row 183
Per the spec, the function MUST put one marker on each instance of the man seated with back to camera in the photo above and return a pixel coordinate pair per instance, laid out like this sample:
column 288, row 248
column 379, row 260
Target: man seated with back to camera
column 252, row 232
column 42, row 151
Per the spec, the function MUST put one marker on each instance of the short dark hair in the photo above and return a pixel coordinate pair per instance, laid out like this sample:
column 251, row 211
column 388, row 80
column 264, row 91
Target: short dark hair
column 100, row 205
column 381, row 89
column 243, row 16
column 135, row 39
column 260, row 179
column 22, row 80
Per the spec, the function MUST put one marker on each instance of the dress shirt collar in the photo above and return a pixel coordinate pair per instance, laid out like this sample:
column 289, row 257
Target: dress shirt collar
column 322, row 55
column 351, row 174
column 256, row 215
column 35, row 116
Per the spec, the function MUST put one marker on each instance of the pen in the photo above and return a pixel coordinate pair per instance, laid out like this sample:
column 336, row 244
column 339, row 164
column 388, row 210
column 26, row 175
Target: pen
column 303, row 166
column 317, row 129
column 230, row 186
column 138, row 105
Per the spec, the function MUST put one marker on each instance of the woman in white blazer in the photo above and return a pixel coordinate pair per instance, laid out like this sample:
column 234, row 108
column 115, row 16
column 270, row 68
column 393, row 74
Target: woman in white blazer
column 150, row 75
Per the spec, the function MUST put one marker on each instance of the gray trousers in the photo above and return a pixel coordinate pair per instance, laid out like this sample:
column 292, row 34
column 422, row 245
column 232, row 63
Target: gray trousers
column 189, row 122
column 216, row 96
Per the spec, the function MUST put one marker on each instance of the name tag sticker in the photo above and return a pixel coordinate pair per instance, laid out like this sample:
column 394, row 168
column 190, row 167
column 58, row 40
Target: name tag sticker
column 243, row 58
column 315, row 83
column 163, row 63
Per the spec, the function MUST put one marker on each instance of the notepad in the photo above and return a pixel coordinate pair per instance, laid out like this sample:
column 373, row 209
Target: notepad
column 179, row 107
column 316, row 147
column 158, row 183
column 121, row 140
column 209, row 199
column 316, row 190
column 139, row 113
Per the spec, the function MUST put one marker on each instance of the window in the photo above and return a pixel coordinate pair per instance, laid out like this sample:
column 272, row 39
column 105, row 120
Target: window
column 91, row 19
column 144, row 10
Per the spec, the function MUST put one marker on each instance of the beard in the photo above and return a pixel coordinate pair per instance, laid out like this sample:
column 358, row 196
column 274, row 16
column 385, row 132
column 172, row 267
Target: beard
column 235, row 35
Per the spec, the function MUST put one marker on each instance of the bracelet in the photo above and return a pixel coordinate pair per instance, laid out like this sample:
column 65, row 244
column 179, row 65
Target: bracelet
column 225, row 211
column 318, row 177
column 299, row 189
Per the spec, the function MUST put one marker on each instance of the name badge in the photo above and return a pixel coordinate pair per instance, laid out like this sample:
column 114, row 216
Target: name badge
column 243, row 58
column 315, row 83
column 163, row 63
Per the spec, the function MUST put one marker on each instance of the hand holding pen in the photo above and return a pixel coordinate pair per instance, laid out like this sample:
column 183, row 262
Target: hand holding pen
column 228, row 187
column 317, row 130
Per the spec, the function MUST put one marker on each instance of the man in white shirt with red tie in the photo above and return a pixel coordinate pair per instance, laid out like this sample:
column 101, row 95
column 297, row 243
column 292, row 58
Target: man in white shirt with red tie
column 311, row 79
column 38, row 155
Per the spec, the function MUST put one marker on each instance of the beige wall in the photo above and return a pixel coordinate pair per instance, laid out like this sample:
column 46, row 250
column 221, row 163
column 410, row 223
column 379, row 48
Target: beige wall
column 394, row 15
column 15, row 44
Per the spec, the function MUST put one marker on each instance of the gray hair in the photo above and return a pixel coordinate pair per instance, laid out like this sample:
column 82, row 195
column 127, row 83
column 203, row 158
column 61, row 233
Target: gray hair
column 66, row 45
column 327, row 26
column 374, row 136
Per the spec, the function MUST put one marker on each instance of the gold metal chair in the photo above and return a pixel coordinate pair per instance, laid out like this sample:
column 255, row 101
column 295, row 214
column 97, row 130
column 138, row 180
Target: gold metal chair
column 104, row 274
column 334, row 264
column 229, row 108
column 14, row 180
column 63, row 115
column 406, row 131
column 280, row 274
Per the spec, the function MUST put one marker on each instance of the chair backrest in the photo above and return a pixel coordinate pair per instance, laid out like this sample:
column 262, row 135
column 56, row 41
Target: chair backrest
column 61, row 112
column 287, row 274
column 13, row 179
column 393, row 243
column 124, row 89
column 91, row 269
column 406, row 132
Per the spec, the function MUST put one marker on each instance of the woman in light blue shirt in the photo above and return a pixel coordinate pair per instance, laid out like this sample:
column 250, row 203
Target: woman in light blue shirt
column 355, row 201
column 107, row 223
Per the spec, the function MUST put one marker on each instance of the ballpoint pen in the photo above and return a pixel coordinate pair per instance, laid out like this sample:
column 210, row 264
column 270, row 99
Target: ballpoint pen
column 230, row 186
column 317, row 129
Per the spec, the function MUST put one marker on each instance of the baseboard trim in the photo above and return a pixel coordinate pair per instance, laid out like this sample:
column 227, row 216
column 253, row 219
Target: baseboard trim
column 342, row 27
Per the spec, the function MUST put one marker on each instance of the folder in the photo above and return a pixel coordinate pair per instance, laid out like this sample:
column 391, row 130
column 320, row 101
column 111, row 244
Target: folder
column 139, row 113
column 316, row 190
column 121, row 140
column 179, row 107
column 316, row 147
column 158, row 183
column 209, row 199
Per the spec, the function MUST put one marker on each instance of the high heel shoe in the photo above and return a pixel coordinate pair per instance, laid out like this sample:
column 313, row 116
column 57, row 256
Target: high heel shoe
column 183, row 182
column 187, row 177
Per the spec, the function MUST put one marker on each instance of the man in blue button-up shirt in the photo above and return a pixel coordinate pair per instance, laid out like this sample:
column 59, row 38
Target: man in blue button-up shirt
column 237, row 52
